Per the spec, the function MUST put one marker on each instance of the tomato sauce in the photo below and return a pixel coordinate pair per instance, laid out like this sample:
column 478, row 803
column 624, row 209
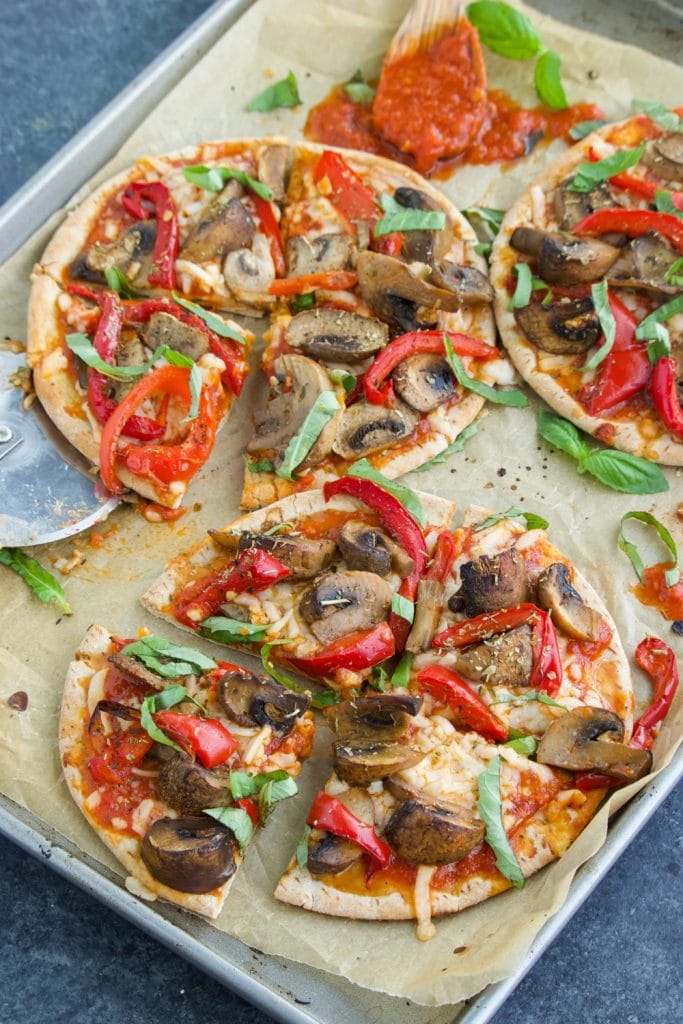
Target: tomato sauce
column 653, row 591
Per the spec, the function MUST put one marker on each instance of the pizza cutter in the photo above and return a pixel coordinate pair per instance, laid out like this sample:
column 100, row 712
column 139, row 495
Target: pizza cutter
column 47, row 489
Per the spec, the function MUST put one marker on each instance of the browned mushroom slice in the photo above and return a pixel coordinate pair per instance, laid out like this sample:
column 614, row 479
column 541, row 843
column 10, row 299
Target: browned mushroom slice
column 335, row 335
column 664, row 156
column 422, row 246
column 164, row 329
column 367, row 547
column 342, row 603
column 131, row 253
column 428, row 607
column 570, row 207
column 188, row 788
column 253, row 700
column 398, row 295
column 421, row 833
column 305, row 557
column 573, row 742
column 492, row 582
column 271, row 168
column 224, row 226
column 189, row 854
column 130, row 351
column 561, row 327
column 361, row 765
column 376, row 718
column 470, row 285
column 365, row 428
column 333, row 854
column 249, row 272
column 504, row 660
column 643, row 264
column 563, row 258
column 570, row 612
column 424, row 381
column 321, row 254
column 135, row 670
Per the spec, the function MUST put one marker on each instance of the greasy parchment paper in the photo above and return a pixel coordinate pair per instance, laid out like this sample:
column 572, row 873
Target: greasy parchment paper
column 504, row 464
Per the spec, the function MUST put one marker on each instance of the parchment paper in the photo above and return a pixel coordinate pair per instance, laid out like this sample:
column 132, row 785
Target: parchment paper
column 504, row 464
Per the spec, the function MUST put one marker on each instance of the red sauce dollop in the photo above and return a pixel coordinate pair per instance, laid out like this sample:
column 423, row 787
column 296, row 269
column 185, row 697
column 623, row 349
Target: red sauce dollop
column 653, row 591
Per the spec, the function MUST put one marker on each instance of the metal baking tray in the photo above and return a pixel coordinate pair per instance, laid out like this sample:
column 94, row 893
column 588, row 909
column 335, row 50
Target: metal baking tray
column 288, row 991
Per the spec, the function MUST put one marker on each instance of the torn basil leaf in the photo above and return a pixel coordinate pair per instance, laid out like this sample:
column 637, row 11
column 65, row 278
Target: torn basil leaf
column 665, row 204
column 511, row 398
column 167, row 698
column 302, row 847
column 225, row 630
column 213, row 179
column 672, row 574
column 504, row 29
column 401, row 674
column 324, row 408
column 39, row 580
column 452, row 449
column 487, row 215
column 672, row 274
column 490, row 807
column 403, row 218
column 584, row 128
column 179, row 359
column 589, row 174
column 533, row 521
column 526, row 745
column 668, row 119
column 548, row 81
column 530, row 695
column 359, row 90
column 403, row 606
column 408, row 498
column 237, row 820
column 659, row 347
column 321, row 699
column 647, row 328
column 273, row 790
column 284, row 93
column 119, row 283
column 82, row 347
column 214, row 322
column 526, row 284
column 343, row 377
column 179, row 661
column 301, row 302
column 608, row 324
column 259, row 465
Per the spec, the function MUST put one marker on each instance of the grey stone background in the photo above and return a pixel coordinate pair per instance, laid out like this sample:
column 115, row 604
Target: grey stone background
column 63, row 957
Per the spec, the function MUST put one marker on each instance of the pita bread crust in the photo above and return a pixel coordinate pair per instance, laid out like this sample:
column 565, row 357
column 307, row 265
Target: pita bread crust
column 625, row 435
column 73, row 721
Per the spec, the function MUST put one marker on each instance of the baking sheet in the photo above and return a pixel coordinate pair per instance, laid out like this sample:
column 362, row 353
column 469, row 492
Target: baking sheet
column 471, row 478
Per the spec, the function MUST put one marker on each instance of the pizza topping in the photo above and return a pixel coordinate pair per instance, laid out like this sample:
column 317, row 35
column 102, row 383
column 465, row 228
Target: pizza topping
column 424, row 381
column 249, row 273
column 645, row 263
column 564, row 327
column 430, row 594
column 506, row 659
column 253, row 700
column 365, row 429
column 304, row 556
column 165, row 329
column 570, row 612
column 328, row 812
column 449, row 688
column 335, row 335
column 470, row 285
column 271, row 168
column 570, row 206
column 223, row 227
column 633, row 223
column 421, row 244
column 574, row 741
column 251, row 571
column 493, row 582
column 362, row 765
column 426, row 833
column 131, row 253
column 375, row 717
column 188, row 788
column 135, row 669
column 189, row 854
column 370, row 549
column 564, row 259
column 664, row 156
column 664, row 391
column 136, row 194
column 332, row 854
column 323, row 254
column 345, row 602
column 352, row 653
column 205, row 738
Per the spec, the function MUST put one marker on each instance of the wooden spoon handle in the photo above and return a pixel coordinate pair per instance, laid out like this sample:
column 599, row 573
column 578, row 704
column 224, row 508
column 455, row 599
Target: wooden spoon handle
column 425, row 22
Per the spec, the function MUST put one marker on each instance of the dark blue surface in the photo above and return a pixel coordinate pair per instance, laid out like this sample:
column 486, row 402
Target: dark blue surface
column 67, row 959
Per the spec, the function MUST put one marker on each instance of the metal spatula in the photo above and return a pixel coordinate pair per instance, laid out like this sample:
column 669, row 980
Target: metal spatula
column 46, row 489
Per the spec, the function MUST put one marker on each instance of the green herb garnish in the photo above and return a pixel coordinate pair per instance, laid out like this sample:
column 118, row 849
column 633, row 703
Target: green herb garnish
column 589, row 174
column 548, row 81
column 359, row 90
column 213, row 179
column 672, row 575
column 284, row 93
column 224, row 630
column 324, row 408
column 584, row 128
column 214, row 322
column 533, row 521
column 490, row 807
column 512, row 398
column 408, row 498
column 668, row 119
column 119, row 283
column 608, row 325
column 401, row 674
column 403, row 607
column 179, row 661
column 452, row 449
column 39, row 580
column 237, row 820
column 403, row 218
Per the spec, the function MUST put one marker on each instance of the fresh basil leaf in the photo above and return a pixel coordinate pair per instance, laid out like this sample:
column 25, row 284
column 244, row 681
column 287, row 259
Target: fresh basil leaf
column 379, row 678
column 213, row 179
column 242, row 784
column 237, row 820
column 83, row 348
column 659, row 348
column 504, row 30
column 358, row 89
column 302, row 848
column 324, row 408
column 533, row 521
column 584, row 128
column 167, row 698
column 623, row 472
column 225, row 630
column 301, row 302
column 528, row 696
column 490, row 807
column 511, row 398
column 119, row 283
column 607, row 323
column 181, row 661
column 672, row 276
column 665, row 204
column 403, row 218
column 322, row 699
column 588, row 174
column 647, row 328
column 672, row 575
column 483, row 249
column 402, row 606
column 39, row 580
column 259, row 465
column 526, row 283
column 214, row 322
column 561, row 434
column 526, row 745
column 489, row 216
column 668, row 119
column 401, row 675
column 179, row 359
column 452, row 449
column 343, row 377
column 273, row 791
column 277, row 528
column 408, row 498
column 284, row 93
column 548, row 81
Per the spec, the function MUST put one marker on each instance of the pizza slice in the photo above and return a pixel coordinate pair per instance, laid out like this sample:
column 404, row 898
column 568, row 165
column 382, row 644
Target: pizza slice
column 589, row 293
column 175, row 760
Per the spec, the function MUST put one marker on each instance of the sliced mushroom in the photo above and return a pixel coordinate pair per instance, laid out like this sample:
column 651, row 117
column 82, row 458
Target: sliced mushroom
column 333, row 854
column 305, row 557
column 643, row 264
column 664, row 156
column 164, row 329
column 470, row 285
column 253, row 700
column 564, row 327
column 342, row 603
column 422, row 246
column 396, row 294
column 365, row 428
column 250, row 272
column 224, row 226
column 555, row 593
column 563, row 258
column 321, row 254
column 428, row 607
column 375, row 718
column 335, row 335
column 131, row 253
column 138, row 672
column 362, row 764
column 420, row 833
column 424, row 381
column 492, row 582
column 189, row 854
column 130, row 351
column 570, row 207
column 369, row 548
column 573, row 741
column 271, row 168
column 504, row 660
column 188, row 788
column 235, row 611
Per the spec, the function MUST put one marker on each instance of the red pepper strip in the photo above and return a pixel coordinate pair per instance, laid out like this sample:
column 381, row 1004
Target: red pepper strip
column 443, row 557
column 206, row 738
column 625, row 371
column 355, row 653
column 665, row 396
column 271, row 229
column 168, row 235
column 380, row 391
column 546, row 673
column 451, row 689
column 329, row 813
column 632, row 223
column 354, row 200
column 333, row 280
column 123, row 751
column 641, row 186
column 245, row 803
column 251, row 571
column 659, row 661
column 390, row 245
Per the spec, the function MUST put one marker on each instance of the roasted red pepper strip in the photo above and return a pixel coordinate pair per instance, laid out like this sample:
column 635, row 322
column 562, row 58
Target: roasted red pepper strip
column 329, row 813
column 206, row 738
column 380, row 391
column 354, row 200
column 452, row 690
column 443, row 557
column 546, row 673
column 665, row 394
column 355, row 653
column 251, row 571
column 640, row 186
column 332, row 280
column 245, row 803
column 626, row 369
column 168, row 235
column 271, row 229
column 632, row 223
column 123, row 751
